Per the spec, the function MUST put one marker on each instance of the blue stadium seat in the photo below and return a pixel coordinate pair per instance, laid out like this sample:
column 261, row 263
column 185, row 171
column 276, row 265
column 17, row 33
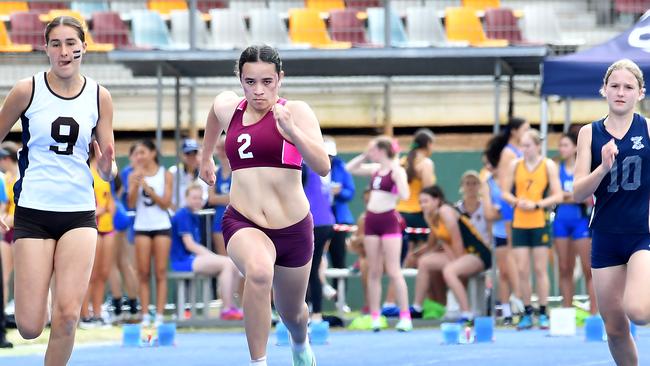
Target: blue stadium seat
column 87, row 8
column 149, row 30
column 376, row 28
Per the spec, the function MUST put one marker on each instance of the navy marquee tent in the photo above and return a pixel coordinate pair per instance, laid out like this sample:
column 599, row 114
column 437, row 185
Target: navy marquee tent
column 580, row 75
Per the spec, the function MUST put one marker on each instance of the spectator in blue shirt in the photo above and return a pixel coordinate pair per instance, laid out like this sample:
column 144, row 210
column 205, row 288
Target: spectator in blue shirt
column 189, row 256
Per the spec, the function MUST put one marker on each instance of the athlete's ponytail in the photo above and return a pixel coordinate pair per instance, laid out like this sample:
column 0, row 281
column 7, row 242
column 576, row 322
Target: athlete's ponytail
column 421, row 140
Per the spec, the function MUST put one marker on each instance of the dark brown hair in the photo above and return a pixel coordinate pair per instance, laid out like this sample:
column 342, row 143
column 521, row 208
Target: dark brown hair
column 67, row 21
column 421, row 140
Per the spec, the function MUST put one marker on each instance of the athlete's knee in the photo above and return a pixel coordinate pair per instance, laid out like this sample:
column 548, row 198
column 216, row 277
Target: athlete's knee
column 638, row 313
column 259, row 275
column 617, row 329
column 144, row 276
column 161, row 273
column 66, row 315
column 30, row 329
column 295, row 317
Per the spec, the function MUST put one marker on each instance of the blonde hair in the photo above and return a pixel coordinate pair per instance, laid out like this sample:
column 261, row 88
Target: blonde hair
column 624, row 64
column 193, row 186
column 534, row 135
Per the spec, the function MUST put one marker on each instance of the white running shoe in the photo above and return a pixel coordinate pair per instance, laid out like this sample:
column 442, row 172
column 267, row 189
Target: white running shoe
column 328, row 291
column 516, row 305
column 404, row 325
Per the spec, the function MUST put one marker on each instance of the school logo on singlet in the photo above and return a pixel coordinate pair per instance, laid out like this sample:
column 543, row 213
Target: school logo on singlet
column 636, row 142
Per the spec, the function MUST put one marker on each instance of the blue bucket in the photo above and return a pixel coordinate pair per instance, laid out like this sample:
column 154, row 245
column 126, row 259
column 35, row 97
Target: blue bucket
column 320, row 332
column 281, row 334
column 594, row 329
column 483, row 329
column 131, row 335
column 166, row 334
column 450, row 333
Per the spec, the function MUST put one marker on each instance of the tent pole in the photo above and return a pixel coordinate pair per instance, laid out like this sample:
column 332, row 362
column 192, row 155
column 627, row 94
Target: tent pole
column 388, row 123
column 497, row 95
column 177, row 138
column 544, row 126
column 159, row 101
column 567, row 115
column 511, row 96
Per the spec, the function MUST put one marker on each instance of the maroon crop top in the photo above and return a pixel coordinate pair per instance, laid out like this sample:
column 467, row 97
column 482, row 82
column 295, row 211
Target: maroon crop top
column 259, row 144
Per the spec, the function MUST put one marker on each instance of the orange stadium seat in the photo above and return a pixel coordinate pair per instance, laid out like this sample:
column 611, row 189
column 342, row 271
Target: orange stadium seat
column 166, row 6
column 481, row 4
column 462, row 24
column 108, row 27
column 42, row 7
column 347, row 27
column 8, row 7
column 324, row 5
column 306, row 26
column 27, row 28
column 91, row 45
column 6, row 45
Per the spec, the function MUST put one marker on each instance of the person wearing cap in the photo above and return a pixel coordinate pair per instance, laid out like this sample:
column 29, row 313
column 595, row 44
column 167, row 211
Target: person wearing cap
column 189, row 166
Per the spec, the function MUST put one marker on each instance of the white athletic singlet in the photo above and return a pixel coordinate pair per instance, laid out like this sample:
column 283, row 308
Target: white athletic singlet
column 56, row 137
column 148, row 215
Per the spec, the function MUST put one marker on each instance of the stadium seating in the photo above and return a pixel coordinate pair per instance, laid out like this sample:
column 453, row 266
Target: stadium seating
column 149, row 30
column 6, row 8
column 165, row 7
column 180, row 29
column 376, row 20
column 424, row 28
column 285, row 5
column 27, row 28
column 244, row 6
column 481, row 4
column 324, row 5
column 6, row 45
column 228, row 29
column 306, row 26
column 540, row 25
column 205, row 5
column 87, row 8
column 108, row 27
column 632, row 6
column 462, row 24
column 362, row 4
column 92, row 46
column 501, row 23
column 346, row 26
column 42, row 7
column 124, row 8
column 266, row 26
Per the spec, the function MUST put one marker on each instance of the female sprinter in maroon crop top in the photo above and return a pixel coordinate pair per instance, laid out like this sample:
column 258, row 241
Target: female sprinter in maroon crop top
column 267, row 227
column 383, row 232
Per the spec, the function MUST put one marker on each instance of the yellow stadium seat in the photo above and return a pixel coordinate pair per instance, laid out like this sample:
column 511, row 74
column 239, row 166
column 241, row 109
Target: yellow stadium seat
column 7, row 46
column 8, row 7
column 306, row 26
column 481, row 4
column 91, row 45
column 324, row 5
column 165, row 7
column 462, row 24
